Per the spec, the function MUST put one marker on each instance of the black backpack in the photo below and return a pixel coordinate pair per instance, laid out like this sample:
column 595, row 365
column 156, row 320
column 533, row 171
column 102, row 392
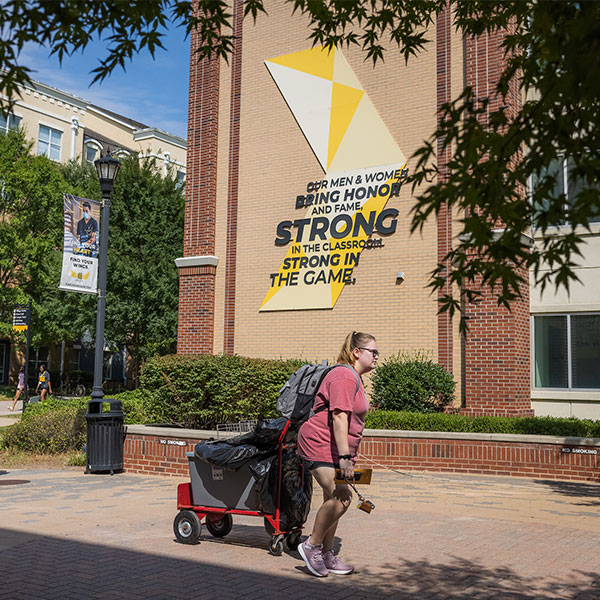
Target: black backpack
column 297, row 396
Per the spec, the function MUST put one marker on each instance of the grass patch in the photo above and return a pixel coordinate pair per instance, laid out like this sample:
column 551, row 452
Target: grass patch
column 11, row 459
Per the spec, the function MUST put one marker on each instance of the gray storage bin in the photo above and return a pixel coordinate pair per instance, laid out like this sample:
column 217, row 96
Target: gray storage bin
column 221, row 488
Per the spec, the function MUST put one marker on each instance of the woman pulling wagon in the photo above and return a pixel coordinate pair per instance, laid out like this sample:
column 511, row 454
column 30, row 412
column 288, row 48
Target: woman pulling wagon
column 330, row 440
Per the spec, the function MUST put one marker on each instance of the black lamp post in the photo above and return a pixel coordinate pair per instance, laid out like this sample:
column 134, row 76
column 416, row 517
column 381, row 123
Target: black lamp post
column 107, row 168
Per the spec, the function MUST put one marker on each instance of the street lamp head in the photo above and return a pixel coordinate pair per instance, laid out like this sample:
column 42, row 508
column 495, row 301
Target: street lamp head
column 107, row 168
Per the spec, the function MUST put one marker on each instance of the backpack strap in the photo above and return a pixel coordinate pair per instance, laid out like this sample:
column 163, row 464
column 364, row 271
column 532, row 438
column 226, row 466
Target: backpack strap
column 326, row 406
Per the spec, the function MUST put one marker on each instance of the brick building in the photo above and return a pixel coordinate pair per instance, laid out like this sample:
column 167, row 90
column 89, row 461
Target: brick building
column 297, row 223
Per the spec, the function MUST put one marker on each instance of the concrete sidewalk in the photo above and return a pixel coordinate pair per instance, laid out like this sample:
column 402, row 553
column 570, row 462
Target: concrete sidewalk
column 8, row 417
column 65, row 535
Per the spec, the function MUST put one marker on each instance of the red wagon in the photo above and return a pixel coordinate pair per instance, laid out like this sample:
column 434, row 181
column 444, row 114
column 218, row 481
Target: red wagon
column 215, row 494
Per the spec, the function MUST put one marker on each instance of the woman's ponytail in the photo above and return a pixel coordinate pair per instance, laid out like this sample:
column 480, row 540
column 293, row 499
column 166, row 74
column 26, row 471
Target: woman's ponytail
column 355, row 339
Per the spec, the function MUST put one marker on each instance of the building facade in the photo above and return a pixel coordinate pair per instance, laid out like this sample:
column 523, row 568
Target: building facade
column 65, row 127
column 297, row 222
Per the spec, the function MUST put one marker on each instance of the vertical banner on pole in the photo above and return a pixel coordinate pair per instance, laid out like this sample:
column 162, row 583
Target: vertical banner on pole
column 22, row 322
column 81, row 241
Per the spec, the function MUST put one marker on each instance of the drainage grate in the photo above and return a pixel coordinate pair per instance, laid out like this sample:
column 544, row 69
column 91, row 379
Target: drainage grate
column 14, row 481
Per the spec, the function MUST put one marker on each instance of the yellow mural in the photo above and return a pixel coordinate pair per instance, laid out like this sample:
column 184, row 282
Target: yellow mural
column 363, row 167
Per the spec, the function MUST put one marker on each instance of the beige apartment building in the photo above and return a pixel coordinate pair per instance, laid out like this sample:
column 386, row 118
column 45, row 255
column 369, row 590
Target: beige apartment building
column 65, row 127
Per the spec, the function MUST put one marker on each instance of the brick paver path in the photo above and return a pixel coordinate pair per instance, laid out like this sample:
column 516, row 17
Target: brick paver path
column 67, row 535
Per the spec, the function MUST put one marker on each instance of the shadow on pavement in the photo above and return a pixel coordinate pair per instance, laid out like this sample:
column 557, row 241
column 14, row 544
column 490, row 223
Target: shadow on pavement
column 47, row 567
column 575, row 490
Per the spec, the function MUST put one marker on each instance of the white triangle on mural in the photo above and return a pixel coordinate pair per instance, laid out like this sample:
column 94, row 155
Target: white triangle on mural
column 309, row 99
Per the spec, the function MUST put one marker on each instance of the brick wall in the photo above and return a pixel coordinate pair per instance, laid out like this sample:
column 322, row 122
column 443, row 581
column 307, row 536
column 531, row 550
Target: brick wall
column 233, row 179
column 233, row 205
column 276, row 163
column 515, row 456
column 497, row 349
column 197, row 284
column 444, row 154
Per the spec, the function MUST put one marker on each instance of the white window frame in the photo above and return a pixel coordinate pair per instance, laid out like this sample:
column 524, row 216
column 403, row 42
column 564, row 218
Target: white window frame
column 50, row 130
column 9, row 125
column 94, row 144
column 570, row 387
column 121, row 153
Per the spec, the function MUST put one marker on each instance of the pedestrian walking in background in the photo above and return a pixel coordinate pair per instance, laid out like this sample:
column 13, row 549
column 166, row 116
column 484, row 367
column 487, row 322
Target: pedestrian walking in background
column 44, row 385
column 330, row 440
column 20, row 387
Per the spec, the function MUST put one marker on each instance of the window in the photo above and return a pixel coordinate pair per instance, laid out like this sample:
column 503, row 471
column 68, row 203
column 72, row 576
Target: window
column 49, row 141
column 565, row 184
column 75, row 358
column 180, row 178
column 120, row 153
column 567, row 351
column 9, row 122
column 36, row 358
column 90, row 153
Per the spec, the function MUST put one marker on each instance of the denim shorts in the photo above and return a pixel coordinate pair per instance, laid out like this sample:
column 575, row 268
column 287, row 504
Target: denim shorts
column 315, row 464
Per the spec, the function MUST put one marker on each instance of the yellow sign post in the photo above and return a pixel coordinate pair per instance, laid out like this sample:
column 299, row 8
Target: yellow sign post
column 21, row 318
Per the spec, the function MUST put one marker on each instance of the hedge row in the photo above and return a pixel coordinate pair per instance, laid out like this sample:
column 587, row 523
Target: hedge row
column 51, row 429
column 412, row 421
column 57, row 426
column 202, row 391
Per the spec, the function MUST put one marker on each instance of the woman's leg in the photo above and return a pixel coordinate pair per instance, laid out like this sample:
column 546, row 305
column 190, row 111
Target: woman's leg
column 19, row 390
column 43, row 394
column 336, row 500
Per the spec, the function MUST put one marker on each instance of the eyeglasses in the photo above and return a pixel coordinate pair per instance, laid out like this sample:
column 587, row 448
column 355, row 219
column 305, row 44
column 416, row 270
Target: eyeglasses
column 374, row 352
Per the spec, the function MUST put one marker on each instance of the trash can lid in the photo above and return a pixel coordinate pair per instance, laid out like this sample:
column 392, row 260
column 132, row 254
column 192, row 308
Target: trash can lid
column 96, row 407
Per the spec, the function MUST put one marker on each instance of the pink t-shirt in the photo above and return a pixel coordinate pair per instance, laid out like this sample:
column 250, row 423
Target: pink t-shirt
column 337, row 390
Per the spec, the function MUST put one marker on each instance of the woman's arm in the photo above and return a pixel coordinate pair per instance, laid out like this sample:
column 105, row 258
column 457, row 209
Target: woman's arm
column 340, row 436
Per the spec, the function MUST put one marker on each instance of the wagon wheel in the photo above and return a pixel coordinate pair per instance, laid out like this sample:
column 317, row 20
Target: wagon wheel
column 276, row 545
column 220, row 527
column 187, row 527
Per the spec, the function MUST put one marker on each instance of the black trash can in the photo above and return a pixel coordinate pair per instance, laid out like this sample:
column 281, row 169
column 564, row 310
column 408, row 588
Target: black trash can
column 105, row 437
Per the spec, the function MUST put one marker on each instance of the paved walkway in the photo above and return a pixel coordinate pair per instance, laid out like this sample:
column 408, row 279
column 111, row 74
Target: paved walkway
column 67, row 535
column 6, row 415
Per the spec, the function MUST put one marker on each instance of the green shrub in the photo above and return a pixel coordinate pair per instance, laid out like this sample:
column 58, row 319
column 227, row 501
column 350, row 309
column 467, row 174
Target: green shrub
column 202, row 391
column 7, row 391
column 412, row 382
column 133, row 405
column 413, row 421
column 77, row 459
column 52, row 404
column 47, row 430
